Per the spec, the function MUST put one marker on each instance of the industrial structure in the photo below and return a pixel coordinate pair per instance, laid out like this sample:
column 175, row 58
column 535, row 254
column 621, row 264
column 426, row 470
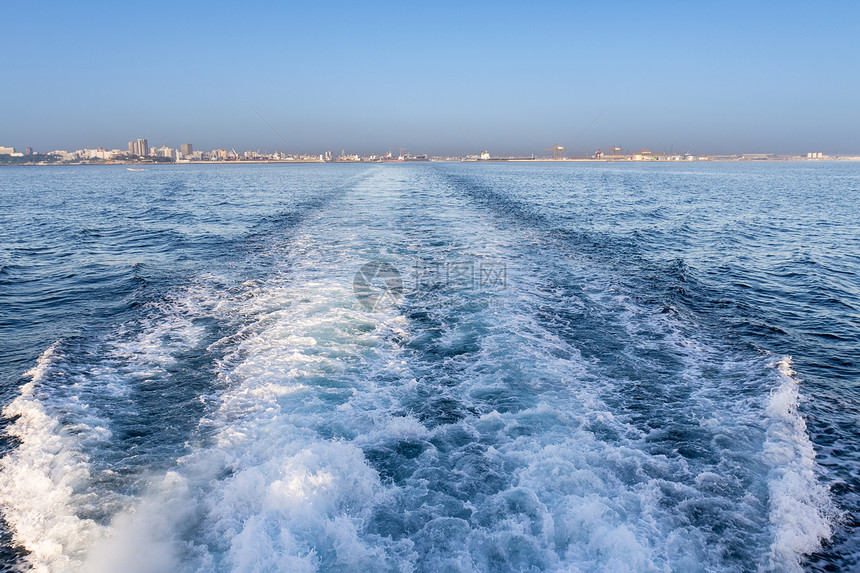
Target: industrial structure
column 557, row 151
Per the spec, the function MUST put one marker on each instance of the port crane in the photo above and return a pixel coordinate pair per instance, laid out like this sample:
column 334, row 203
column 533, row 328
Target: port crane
column 557, row 151
column 613, row 151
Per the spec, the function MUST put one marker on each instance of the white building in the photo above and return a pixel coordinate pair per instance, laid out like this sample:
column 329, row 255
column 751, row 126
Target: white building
column 64, row 155
column 165, row 151
column 100, row 153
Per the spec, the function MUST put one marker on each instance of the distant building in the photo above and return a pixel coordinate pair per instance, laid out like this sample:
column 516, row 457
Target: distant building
column 7, row 150
column 139, row 147
column 64, row 155
column 99, row 153
column 186, row 149
column 164, row 151
column 28, row 151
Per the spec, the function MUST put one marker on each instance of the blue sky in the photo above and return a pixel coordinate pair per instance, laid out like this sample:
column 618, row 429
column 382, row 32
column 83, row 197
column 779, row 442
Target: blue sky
column 715, row 77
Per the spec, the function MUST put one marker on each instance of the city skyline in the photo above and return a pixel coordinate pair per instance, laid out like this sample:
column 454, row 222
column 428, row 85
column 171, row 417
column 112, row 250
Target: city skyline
column 708, row 79
column 139, row 151
column 141, row 147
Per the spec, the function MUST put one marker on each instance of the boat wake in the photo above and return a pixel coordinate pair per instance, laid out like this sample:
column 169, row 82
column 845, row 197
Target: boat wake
column 275, row 423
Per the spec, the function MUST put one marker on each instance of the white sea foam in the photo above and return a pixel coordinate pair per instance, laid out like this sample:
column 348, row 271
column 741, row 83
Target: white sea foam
column 286, row 490
column 40, row 480
column 48, row 491
column 800, row 509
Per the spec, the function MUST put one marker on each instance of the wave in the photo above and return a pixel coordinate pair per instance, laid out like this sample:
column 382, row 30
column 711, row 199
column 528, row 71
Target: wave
column 801, row 511
column 78, row 461
column 40, row 481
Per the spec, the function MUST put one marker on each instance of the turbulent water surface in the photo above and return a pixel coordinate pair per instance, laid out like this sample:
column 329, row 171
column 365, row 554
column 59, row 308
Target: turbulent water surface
column 547, row 367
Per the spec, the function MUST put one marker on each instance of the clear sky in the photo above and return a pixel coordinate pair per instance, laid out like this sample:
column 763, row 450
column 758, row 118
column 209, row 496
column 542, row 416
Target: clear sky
column 705, row 77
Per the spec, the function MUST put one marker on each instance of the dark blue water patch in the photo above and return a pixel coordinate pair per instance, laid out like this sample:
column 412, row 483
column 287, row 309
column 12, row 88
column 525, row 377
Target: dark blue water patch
column 154, row 420
column 451, row 468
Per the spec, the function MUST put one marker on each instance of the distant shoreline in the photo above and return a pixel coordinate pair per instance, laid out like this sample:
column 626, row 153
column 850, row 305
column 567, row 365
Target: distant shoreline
column 471, row 161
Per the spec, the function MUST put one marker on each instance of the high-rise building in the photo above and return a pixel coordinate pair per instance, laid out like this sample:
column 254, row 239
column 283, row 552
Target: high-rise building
column 142, row 147
column 28, row 151
column 132, row 148
column 186, row 149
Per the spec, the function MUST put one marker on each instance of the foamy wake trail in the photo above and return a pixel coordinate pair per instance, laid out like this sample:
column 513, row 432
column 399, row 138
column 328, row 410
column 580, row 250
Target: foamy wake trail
column 801, row 511
column 39, row 481
column 54, row 485
column 264, row 492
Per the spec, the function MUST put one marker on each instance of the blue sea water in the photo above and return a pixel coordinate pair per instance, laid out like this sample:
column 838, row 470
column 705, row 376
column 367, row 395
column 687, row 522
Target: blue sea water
column 565, row 367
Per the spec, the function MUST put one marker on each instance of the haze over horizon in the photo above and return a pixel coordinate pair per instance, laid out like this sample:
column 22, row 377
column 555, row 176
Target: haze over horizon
column 434, row 78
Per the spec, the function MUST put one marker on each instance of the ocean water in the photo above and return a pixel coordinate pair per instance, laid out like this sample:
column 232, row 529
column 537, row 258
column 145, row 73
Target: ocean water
column 430, row 367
